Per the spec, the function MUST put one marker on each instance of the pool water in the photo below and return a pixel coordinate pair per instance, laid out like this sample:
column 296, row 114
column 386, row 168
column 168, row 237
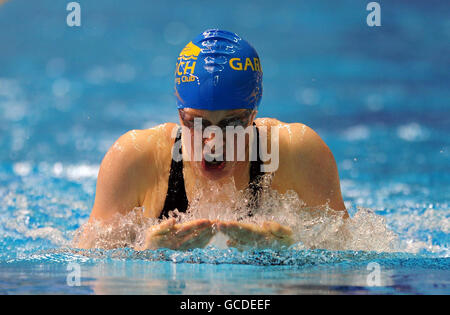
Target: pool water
column 378, row 96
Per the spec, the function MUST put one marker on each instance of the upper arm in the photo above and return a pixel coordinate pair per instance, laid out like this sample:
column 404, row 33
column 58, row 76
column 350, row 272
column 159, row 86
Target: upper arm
column 318, row 183
column 119, row 180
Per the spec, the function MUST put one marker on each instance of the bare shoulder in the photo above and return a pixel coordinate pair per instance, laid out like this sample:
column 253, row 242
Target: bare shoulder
column 308, row 142
column 137, row 156
column 295, row 137
column 137, row 146
column 306, row 165
column 142, row 140
column 127, row 170
column 315, row 167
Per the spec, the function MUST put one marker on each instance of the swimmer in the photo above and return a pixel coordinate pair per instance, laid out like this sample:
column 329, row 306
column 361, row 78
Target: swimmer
column 218, row 82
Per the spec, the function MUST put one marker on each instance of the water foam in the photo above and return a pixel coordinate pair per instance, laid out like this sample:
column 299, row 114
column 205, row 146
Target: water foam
column 313, row 227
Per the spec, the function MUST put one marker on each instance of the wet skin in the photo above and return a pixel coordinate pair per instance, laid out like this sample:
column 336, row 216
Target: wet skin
column 135, row 172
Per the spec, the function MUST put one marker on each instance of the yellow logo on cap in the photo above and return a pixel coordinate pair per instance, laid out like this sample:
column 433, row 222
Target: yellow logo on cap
column 186, row 61
column 189, row 52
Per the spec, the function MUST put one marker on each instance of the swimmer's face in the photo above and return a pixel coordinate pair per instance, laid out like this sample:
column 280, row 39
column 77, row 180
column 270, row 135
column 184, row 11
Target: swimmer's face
column 215, row 169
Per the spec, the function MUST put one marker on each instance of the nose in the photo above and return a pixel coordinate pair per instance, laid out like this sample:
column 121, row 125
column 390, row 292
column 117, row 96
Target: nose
column 213, row 145
column 210, row 138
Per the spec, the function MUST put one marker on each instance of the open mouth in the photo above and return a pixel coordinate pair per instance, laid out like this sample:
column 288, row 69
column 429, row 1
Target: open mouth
column 213, row 165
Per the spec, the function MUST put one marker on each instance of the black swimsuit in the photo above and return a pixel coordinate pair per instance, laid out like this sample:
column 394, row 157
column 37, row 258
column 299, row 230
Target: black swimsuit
column 176, row 193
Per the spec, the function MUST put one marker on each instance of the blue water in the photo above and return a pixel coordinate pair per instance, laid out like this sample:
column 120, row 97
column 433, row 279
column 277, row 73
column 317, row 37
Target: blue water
column 379, row 97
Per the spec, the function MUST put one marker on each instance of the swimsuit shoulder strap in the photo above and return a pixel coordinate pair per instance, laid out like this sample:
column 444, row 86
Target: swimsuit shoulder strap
column 255, row 173
column 176, row 193
column 255, row 166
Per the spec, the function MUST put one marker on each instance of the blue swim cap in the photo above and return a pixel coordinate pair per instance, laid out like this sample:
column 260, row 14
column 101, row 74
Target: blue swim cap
column 218, row 70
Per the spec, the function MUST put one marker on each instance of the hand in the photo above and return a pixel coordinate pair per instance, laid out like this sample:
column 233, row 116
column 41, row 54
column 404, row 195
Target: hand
column 193, row 234
column 245, row 235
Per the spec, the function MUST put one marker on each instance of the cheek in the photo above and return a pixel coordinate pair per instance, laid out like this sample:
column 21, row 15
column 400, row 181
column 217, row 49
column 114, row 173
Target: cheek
column 239, row 149
column 191, row 146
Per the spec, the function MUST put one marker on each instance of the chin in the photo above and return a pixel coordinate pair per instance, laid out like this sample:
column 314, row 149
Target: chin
column 215, row 171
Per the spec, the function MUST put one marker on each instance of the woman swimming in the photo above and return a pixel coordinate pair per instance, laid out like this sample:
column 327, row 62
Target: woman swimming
column 218, row 87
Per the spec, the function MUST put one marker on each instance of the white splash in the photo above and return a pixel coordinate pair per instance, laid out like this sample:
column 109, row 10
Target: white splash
column 313, row 228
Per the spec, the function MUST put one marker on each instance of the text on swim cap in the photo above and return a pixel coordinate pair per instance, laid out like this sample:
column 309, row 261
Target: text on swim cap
column 236, row 64
column 184, row 74
column 186, row 67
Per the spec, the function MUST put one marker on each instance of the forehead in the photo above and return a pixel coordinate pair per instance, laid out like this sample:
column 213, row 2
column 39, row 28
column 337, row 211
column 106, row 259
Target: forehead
column 213, row 113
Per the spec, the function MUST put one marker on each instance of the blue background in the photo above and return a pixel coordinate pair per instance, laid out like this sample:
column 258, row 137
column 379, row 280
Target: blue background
column 379, row 97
